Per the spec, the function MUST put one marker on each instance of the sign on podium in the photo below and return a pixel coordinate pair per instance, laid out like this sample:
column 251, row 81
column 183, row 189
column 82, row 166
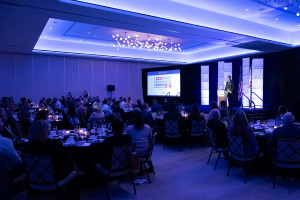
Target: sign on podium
column 221, row 96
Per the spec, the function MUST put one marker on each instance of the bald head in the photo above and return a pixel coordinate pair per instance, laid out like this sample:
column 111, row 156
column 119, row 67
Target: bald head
column 288, row 119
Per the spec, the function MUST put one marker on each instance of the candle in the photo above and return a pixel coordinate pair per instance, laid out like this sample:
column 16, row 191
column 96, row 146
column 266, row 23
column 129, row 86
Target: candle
column 80, row 131
column 67, row 132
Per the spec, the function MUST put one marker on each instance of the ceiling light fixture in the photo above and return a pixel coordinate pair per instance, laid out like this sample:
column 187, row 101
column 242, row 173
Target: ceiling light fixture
column 156, row 44
column 284, row 4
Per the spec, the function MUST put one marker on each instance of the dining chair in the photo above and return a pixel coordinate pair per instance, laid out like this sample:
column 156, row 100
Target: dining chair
column 197, row 130
column 40, row 175
column 171, row 130
column 238, row 153
column 147, row 158
column 214, row 146
column 287, row 156
column 119, row 165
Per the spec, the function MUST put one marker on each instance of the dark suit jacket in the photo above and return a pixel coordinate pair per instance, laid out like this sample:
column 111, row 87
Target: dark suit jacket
column 285, row 132
column 229, row 86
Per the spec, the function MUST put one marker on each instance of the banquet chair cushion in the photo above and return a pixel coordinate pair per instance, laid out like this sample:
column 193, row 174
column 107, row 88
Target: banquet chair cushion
column 112, row 173
column 244, row 159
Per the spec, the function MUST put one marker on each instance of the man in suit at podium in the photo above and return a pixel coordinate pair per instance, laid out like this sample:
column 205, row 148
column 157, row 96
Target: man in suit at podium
column 229, row 91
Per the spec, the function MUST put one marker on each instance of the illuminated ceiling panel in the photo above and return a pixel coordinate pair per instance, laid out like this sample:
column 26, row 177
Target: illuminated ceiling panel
column 66, row 37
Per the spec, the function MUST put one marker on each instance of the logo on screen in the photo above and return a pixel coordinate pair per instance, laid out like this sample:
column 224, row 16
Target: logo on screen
column 163, row 82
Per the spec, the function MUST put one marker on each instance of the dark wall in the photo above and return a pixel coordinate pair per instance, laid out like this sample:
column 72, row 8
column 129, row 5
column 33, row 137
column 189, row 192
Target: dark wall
column 281, row 80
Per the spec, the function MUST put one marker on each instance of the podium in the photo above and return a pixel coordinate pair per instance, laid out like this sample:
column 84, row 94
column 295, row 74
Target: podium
column 221, row 96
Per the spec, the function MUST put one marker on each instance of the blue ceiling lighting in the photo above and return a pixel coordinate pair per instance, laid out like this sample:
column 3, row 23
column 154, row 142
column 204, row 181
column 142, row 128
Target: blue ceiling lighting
column 205, row 30
column 66, row 37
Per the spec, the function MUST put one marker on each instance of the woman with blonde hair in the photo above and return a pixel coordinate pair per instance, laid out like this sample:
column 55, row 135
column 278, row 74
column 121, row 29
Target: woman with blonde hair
column 97, row 115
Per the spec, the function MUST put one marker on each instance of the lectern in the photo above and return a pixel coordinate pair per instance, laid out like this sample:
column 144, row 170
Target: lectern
column 221, row 96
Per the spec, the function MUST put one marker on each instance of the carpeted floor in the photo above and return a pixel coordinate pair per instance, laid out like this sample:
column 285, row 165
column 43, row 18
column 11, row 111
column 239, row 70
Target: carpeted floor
column 184, row 174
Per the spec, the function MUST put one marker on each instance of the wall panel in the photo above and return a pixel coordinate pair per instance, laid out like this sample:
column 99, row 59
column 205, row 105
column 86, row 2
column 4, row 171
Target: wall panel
column 36, row 76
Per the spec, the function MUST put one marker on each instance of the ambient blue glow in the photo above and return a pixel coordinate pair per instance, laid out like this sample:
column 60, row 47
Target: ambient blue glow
column 67, row 37
column 227, row 15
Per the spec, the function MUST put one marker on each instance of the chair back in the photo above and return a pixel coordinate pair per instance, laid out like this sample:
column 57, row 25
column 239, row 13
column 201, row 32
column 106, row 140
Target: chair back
column 148, row 156
column 197, row 126
column 288, row 153
column 39, row 170
column 211, row 138
column 236, row 147
column 121, row 157
column 171, row 128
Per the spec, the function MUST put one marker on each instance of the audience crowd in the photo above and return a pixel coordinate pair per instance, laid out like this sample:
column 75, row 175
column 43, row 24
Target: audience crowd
column 131, row 122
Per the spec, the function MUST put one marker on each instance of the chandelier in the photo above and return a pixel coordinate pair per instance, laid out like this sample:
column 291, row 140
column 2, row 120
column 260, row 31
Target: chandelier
column 285, row 4
column 151, row 44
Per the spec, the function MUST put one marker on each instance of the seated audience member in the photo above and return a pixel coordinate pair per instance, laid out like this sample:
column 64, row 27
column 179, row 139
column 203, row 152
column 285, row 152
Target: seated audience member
column 219, row 129
column 106, row 108
column 140, row 133
column 224, row 110
column 43, row 103
column 195, row 115
column 123, row 103
column 173, row 114
column 39, row 144
column 167, row 104
column 146, row 116
column 96, row 115
column 6, row 130
column 281, row 111
column 41, row 114
column 212, row 105
column 240, row 127
column 9, row 158
column 117, row 111
column 156, row 106
column 81, row 113
column 21, row 104
column 10, row 165
column 57, row 104
column 118, row 138
column 13, row 120
column 288, row 131
column 139, row 104
column 129, row 103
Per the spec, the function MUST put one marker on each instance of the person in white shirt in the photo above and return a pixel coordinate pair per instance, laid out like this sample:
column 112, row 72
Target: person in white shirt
column 123, row 104
column 106, row 108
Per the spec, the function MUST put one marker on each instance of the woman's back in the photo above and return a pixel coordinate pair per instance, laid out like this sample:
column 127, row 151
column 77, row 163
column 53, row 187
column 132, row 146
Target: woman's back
column 141, row 137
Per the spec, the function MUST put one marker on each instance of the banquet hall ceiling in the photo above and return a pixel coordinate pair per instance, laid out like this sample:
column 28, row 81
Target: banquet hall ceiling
column 205, row 30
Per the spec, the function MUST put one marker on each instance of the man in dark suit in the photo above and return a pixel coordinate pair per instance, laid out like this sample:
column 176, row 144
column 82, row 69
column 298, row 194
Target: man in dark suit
column 229, row 91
